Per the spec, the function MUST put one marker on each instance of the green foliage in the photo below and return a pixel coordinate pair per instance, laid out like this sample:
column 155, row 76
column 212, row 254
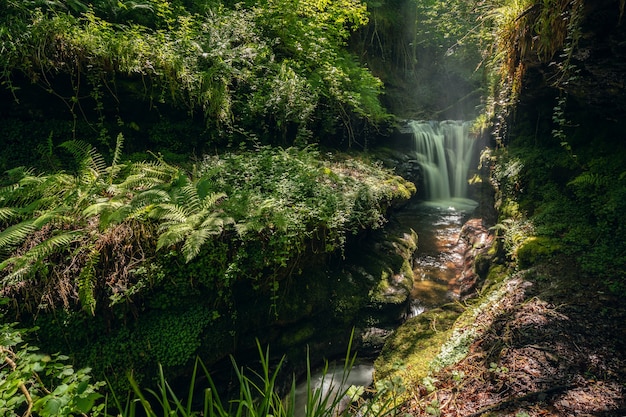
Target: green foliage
column 189, row 214
column 565, row 193
column 136, row 262
column 258, row 395
column 279, row 62
column 42, row 384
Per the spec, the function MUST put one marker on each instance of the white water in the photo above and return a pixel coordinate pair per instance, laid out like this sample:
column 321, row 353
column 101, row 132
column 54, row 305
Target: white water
column 444, row 152
column 331, row 383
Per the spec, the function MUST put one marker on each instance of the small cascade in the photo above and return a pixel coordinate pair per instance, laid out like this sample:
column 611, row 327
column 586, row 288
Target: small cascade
column 444, row 152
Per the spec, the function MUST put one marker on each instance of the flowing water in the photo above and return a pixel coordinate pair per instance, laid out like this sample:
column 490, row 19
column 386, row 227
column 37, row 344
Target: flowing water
column 437, row 261
column 332, row 382
column 445, row 153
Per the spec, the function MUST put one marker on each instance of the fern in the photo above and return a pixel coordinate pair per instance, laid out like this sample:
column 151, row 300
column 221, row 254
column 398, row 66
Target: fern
column 86, row 282
column 587, row 179
column 30, row 262
column 7, row 213
column 146, row 175
column 51, row 245
column 13, row 236
column 189, row 217
column 91, row 164
column 114, row 169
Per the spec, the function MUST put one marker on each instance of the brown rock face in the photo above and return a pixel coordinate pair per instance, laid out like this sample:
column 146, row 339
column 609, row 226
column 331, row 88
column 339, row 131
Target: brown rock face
column 473, row 245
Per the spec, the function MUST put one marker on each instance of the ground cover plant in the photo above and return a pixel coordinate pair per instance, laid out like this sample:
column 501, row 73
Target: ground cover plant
column 107, row 243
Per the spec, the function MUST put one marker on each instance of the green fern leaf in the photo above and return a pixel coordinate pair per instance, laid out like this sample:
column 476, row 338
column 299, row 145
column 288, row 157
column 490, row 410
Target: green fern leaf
column 117, row 156
column 587, row 179
column 150, row 197
column 172, row 214
column 106, row 206
column 14, row 235
column 87, row 281
column 213, row 199
column 51, row 245
column 188, row 197
column 77, row 148
column 7, row 213
column 173, row 235
column 96, row 162
column 18, row 273
column 156, row 171
column 56, row 214
column 216, row 222
column 194, row 242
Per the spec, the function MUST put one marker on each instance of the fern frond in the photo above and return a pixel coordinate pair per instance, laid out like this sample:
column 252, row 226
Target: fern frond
column 187, row 196
column 87, row 282
column 96, row 162
column 194, row 242
column 14, row 235
column 252, row 225
column 117, row 156
column 156, row 170
column 77, row 148
column 52, row 245
column 107, row 206
column 149, row 197
column 56, row 214
column 172, row 213
column 17, row 274
column 7, row 213
column 7, row 193
column 213, row 199
column 587, row 179
column 173, row 235
column 216, row 222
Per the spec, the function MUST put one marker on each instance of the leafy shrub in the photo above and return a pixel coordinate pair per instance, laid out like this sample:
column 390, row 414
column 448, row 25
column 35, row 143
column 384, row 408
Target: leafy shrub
column 42, row 384
column 271, row 70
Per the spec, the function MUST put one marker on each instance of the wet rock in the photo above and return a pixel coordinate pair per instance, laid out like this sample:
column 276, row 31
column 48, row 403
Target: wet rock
column 475, row 241
column 373, row 339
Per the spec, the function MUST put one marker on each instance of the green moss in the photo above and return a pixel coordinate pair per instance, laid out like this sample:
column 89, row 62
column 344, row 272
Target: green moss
column 536, row 249
column 409, row 351
column 302, row 335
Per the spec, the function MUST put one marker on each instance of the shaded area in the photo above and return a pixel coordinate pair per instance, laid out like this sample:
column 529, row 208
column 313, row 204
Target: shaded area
column 552, row 346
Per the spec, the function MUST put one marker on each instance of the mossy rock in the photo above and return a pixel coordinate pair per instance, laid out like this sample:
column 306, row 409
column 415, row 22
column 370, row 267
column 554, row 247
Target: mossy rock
column 537, row 249
column 409, row 351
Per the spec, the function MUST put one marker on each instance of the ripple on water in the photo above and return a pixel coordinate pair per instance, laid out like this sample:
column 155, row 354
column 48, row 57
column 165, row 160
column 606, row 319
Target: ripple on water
column 437, row 264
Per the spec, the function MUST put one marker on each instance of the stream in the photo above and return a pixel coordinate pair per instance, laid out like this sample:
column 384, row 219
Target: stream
column 445, row 153
column 435, row 269
column 437, row 261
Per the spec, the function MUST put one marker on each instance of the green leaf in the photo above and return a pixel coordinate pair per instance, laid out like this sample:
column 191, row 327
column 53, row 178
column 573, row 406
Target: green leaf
column 85, row 404
column 52, row 407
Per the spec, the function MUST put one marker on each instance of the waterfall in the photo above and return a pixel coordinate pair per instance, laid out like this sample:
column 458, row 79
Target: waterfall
column 444, row 152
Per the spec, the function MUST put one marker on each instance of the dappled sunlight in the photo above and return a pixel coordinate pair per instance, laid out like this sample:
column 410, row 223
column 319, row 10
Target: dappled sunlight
column 537, row 351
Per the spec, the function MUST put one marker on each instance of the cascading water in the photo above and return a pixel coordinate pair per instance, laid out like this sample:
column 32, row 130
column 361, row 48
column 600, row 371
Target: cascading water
column 444, row 152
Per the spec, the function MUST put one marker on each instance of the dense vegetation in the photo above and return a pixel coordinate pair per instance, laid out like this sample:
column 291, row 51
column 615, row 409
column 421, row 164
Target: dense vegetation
column 275, row 72
column 550, row 314
column 171, row 174
column 127, row 259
